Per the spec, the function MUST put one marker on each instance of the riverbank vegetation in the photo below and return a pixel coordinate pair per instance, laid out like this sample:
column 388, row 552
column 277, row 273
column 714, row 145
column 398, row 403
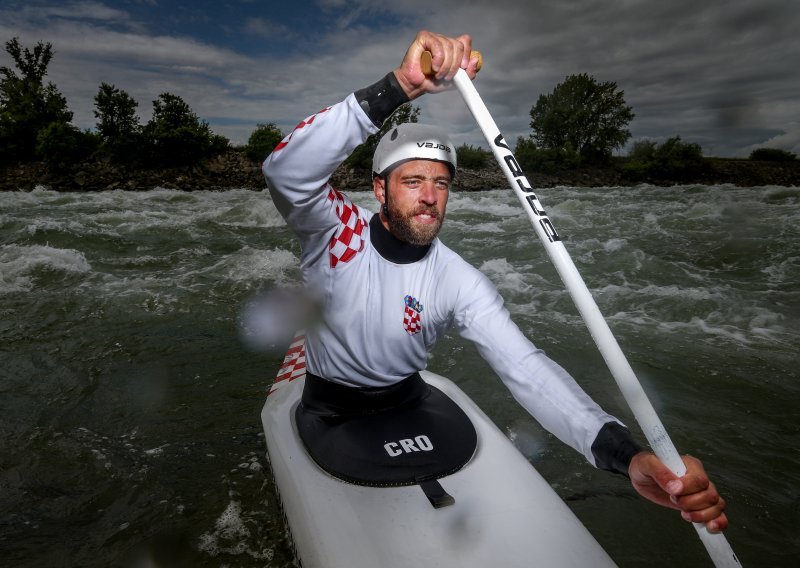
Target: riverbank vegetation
column 575, row 131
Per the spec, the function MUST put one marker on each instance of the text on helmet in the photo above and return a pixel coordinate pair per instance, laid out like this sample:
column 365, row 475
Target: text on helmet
column 434, row 145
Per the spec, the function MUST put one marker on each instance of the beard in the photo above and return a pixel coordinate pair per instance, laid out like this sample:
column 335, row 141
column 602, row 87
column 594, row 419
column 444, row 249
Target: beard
column 402, row 225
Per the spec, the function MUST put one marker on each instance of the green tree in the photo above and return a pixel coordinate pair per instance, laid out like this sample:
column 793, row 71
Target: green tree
column 472, row 158
column 361, row 158
column 115, row 112
column 535, row 159
column 677, row 159
column 673, row 160
column 60, row 145
column 27, row 105
column 262, row 141
column 176, row 136
column 118, row 124
column 772, row 155
column 582, row 116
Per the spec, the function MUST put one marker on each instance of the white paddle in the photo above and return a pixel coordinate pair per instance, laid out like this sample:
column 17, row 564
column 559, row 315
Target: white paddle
column 716, row 544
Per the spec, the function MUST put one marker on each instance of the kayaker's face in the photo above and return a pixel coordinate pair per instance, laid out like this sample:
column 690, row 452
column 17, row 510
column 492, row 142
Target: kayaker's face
column 418, row 192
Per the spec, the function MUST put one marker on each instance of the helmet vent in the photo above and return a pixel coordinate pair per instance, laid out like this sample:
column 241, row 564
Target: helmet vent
column 394, row 134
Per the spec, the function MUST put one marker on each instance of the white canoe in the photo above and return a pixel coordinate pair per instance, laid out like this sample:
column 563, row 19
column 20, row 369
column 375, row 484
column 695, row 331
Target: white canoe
column 504, row 514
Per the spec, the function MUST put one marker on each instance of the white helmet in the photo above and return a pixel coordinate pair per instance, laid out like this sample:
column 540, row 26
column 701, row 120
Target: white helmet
column 412, row 141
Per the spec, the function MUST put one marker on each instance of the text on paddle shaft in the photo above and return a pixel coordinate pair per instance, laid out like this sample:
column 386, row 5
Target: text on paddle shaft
column 405, row 446
column 523, row 184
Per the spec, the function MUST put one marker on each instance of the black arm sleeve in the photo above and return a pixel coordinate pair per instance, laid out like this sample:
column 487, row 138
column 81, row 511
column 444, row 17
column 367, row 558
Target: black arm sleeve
column 381, row 99
column 614, row 448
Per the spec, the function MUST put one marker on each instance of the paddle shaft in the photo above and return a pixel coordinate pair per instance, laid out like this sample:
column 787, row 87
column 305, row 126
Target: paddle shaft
column 716, row 544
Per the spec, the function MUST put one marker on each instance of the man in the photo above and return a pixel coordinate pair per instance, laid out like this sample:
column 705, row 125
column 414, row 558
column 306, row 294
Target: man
column 390, row 288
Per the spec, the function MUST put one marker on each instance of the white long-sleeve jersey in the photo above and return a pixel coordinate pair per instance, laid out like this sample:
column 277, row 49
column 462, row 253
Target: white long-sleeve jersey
column 381, row 316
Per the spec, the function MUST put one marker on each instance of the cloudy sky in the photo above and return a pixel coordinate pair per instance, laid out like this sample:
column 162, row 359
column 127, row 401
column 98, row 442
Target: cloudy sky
column 722, row 73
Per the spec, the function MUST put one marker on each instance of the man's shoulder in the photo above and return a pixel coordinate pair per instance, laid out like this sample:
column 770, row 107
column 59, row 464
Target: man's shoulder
column 453, row 264
column 445, row 254
column 459, row 283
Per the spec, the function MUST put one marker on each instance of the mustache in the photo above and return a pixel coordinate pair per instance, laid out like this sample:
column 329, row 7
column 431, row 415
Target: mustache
column 432, row 211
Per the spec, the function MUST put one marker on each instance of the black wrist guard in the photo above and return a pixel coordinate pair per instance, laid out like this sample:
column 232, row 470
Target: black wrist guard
column 614, row 448
column 381, row 99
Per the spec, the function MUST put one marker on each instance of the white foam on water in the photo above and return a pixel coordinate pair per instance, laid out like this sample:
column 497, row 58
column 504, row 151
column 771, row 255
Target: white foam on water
column 696, row 324
column 570, row 213
column 19, row 263
column 117, row 213
column 703, row 210
column 651, row 219
column 746, row 327
column 788, row 270
column 235, row 208
column 174, row 258
column 651, row 290
column 530, row 441
column 365, row 199
column 161, row 290
column 473, row 228
column 249, row 266
column 614, row 245
column 230, row 536
column 504, row 275
column 766, row 324
column 45, row 225
column 155, row 452
column 486, row 203
column 229, row 524
column 258, row 211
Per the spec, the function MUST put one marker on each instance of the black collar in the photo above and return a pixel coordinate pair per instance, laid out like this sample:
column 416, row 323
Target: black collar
column 390, row 247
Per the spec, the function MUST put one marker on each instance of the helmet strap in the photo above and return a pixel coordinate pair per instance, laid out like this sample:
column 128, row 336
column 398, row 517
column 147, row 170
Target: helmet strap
column 385, row 208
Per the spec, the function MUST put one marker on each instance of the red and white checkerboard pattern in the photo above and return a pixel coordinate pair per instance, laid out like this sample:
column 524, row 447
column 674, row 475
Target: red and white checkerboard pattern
column 411, row 321
column 348, row 240
column 303, row 123
column 294, row 363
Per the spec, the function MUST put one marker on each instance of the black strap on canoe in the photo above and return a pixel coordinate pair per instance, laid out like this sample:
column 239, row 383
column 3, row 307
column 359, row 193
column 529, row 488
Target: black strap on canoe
column 436, row 494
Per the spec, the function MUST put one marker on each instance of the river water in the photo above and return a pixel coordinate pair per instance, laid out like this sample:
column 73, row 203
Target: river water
column 129, row 404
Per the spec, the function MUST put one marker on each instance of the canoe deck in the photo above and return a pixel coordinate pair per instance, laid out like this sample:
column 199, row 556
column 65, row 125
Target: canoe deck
column 505, row 513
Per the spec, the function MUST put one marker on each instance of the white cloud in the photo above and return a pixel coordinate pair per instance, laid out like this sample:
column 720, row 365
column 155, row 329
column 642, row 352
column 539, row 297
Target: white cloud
column 78, row 11
column 788, row 140
column 717, row 73
column 266, row 28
